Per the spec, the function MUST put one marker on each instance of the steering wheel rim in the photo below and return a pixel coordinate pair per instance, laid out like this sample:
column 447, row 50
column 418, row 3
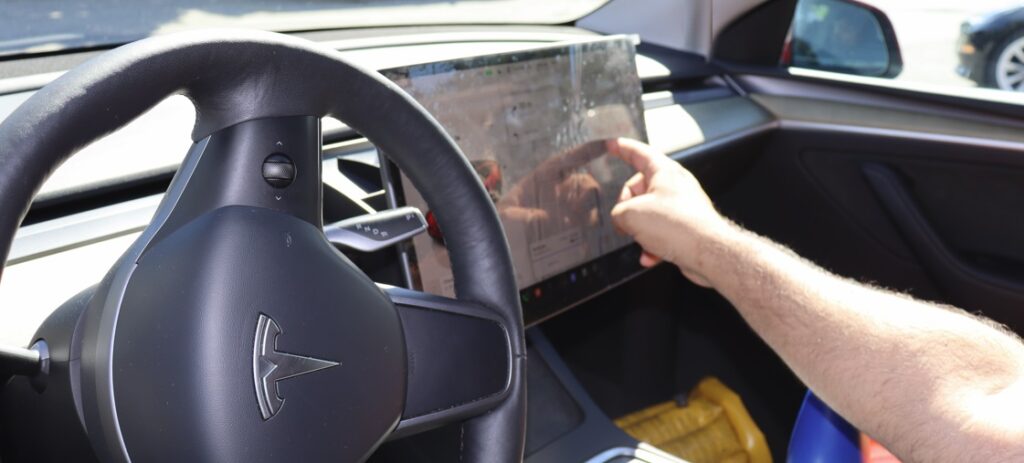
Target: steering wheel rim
column 244, row 77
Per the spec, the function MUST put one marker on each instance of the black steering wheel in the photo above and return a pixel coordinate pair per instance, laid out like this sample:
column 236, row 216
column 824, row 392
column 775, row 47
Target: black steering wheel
column 232, row 330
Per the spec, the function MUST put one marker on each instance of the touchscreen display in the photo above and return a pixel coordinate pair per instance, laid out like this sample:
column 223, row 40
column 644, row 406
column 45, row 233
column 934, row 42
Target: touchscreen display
column 533, row 124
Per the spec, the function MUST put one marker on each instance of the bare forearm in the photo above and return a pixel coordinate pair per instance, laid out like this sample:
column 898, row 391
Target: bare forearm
column 926, row 380
column 930, row 382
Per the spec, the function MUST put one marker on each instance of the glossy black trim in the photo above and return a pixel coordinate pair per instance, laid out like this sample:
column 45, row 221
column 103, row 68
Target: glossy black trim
column 757, row 37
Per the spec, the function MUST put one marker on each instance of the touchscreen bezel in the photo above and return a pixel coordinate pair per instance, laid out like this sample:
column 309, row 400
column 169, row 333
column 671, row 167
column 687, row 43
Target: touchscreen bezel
column 561, row 291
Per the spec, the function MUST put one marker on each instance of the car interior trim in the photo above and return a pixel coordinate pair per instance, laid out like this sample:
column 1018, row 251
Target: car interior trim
column 985, row 94
column 713, row 145
column 860, row 114
column 642, row 453
column 27, row 83
column 45, row 238
column 648, row 67
column 781, row 84
column 101, row 388
column 107, row 222
column 660, row 107
column 434, row 38
column 903, row 134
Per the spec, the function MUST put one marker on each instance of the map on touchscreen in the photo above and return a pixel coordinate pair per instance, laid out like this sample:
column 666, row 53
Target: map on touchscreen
column 534, row 124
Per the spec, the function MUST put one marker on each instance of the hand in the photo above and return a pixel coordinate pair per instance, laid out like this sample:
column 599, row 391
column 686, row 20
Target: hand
column 665, row 209
column 570, row 195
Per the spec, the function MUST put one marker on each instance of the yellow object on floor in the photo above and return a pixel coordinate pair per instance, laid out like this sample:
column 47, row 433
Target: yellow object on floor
column 713, row 427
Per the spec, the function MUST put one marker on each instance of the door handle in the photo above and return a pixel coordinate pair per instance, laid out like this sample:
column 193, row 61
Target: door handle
column 966, row 285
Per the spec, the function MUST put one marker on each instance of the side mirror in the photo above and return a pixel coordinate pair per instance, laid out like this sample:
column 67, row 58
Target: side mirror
column 843, row 36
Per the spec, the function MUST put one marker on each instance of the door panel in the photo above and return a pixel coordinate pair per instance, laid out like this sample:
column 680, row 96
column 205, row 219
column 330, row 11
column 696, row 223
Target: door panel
column 987, row 276
column 926, row 202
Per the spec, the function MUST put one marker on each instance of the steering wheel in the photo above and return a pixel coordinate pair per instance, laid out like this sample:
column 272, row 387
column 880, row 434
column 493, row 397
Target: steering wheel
column 231, row 330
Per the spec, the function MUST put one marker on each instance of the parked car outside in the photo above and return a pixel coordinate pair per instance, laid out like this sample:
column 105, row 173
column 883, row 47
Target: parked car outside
column 991, row 49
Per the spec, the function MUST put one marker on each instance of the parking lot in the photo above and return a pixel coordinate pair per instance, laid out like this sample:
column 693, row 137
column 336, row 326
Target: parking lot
column 927, row 31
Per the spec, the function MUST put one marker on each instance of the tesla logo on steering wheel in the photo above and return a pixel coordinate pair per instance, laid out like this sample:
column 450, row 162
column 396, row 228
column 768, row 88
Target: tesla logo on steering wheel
column 270, row 366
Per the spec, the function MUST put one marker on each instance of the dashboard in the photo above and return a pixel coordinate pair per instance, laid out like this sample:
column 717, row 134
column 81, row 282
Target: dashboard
column 83, row 222
column 535, row 137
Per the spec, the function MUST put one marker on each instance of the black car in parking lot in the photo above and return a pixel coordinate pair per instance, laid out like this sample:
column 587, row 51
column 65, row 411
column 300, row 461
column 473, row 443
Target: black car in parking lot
column 991, row 49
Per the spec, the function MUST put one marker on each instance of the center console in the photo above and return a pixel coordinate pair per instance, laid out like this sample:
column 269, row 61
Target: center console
column 563, row 423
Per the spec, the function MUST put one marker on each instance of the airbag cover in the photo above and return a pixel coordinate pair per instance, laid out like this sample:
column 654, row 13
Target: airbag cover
column 185, row 345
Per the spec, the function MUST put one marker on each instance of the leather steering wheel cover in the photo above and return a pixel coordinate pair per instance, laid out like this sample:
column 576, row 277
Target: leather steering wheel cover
column 238, row 75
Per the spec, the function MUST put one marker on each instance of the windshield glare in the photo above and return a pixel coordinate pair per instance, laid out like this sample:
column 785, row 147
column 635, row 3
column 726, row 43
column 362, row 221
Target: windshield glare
column 38, row 26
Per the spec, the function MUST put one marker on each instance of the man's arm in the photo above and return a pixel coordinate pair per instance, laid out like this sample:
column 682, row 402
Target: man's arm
column 930, row 382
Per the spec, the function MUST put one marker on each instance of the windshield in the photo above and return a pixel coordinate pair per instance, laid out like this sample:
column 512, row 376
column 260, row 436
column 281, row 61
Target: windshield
column 37, row 26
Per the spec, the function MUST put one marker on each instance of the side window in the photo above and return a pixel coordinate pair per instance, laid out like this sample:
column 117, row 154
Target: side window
column 953, row 43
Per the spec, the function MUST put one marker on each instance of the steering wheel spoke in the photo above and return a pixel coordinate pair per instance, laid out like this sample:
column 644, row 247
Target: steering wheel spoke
column 459, row 359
